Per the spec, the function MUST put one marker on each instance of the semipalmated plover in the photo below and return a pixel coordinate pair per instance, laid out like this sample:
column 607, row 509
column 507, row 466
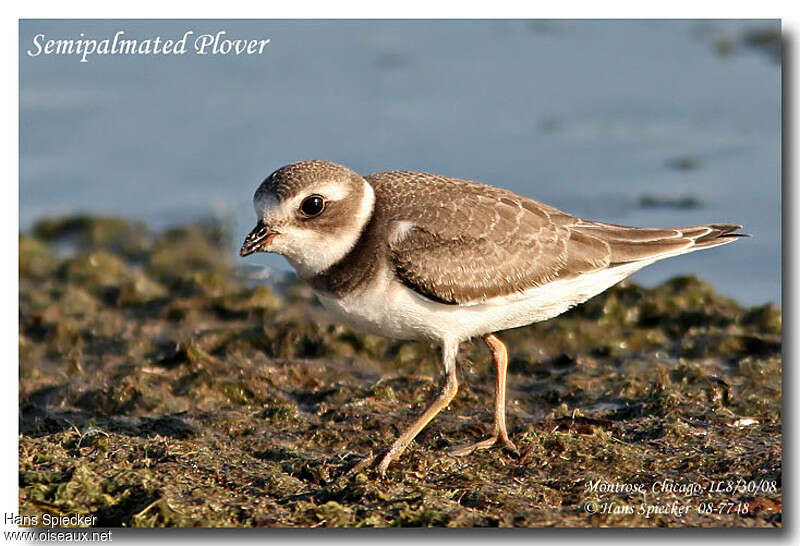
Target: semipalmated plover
column 418, row 256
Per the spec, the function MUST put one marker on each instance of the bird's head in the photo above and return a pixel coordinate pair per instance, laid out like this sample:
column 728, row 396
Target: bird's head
column 312, row 213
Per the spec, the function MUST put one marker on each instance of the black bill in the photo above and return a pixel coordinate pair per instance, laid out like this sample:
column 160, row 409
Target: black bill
column 257, row 240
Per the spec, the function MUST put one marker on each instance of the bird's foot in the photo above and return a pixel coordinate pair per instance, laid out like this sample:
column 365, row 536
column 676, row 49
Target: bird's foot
column 379, row 461
column 488, row 443
column 386, row 460
column 363, row 464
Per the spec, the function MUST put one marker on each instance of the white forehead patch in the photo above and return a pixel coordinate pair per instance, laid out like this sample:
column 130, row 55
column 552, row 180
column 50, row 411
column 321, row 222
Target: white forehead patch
column 265, row 205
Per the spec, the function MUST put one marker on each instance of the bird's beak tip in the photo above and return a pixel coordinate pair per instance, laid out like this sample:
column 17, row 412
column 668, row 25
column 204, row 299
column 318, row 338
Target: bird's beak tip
column 257, row 240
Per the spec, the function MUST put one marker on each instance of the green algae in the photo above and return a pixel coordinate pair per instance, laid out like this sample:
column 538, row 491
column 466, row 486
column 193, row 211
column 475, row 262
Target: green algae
column 158, row 388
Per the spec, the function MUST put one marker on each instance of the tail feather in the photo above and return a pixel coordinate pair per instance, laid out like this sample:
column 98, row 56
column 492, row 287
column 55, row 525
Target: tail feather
column 720, row 234
column 631, row 244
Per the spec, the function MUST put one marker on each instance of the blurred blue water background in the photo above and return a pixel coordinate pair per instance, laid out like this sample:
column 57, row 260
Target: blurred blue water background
column 590, row 116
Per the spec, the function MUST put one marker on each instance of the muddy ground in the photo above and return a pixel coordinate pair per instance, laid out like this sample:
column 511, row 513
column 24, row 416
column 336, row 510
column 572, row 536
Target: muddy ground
column 160, row 385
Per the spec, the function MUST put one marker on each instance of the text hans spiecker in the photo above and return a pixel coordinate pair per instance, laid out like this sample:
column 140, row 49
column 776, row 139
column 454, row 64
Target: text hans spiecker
column 49, row 520
column 200, row 44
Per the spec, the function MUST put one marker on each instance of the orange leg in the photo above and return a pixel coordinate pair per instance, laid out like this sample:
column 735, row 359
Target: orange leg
column 442, row 400
column 500, row 434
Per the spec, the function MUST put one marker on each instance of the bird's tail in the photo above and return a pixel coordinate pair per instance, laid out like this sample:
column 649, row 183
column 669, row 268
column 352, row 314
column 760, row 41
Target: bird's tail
column 632, row 244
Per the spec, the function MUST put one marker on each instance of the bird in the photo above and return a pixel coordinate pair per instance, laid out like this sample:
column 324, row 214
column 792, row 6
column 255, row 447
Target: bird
column 418, row 256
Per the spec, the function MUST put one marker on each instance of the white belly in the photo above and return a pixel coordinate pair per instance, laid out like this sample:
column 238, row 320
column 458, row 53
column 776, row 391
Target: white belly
column 390, row 309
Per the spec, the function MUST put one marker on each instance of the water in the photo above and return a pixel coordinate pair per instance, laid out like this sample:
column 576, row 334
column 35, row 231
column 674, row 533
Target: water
column 588, row 116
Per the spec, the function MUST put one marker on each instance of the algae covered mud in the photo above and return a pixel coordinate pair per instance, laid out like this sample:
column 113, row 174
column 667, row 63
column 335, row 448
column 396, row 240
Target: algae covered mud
column 160, row 386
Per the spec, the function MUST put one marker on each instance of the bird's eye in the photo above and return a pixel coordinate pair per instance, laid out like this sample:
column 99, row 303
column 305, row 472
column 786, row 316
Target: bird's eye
column 313, row 205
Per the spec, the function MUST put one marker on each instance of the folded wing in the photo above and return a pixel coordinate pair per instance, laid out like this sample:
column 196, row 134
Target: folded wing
column 460, row 242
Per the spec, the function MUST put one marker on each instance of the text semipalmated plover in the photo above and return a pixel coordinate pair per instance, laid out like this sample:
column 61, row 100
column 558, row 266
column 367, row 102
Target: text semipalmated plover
column 411, row 255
